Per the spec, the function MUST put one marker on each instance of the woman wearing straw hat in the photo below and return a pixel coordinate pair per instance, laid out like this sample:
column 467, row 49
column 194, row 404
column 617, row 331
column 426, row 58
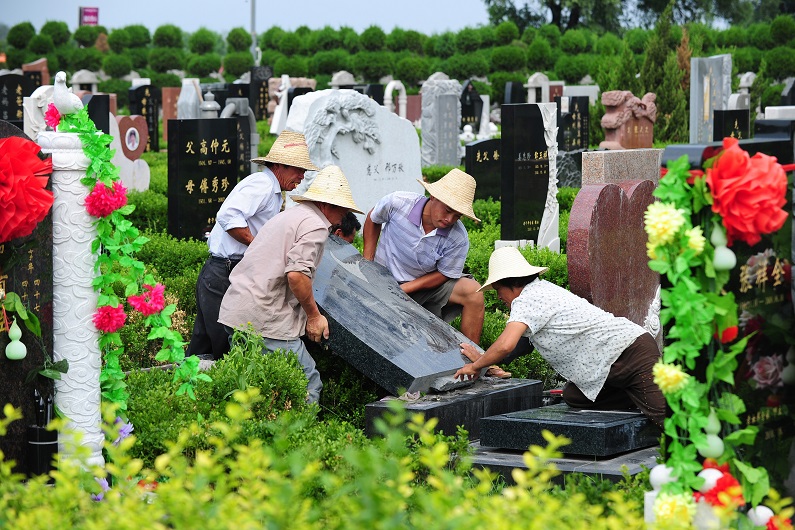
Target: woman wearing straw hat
column 424, row 245
column 607, row 360
column 252, row 202
column 271, row 287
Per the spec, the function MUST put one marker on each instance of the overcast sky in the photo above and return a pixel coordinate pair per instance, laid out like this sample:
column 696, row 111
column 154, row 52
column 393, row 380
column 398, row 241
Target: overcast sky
column 426, row 16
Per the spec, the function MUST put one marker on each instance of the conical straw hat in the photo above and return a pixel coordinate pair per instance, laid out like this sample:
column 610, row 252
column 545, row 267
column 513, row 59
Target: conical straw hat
column 330, row 186
column 508, row 262
column 456, row 190
column 289, row 149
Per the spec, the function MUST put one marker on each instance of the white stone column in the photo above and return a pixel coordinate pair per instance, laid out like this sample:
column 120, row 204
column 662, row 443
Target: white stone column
column 77, row 394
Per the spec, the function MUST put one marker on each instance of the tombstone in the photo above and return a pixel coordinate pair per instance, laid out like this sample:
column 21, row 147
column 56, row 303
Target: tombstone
column 170, row 98
column 136, row 81
column 537, row 88
column 471, row 106
column 788, row 93
column 710, row 87
column 414, row 109
column 38, row 72
column 603, row 167
column 26, row 269
column 294, row 92
column 247, row 135
column 35, row 106
column 129, row 141
column 145, row 100
column 374, row 91
column 98, row 107
column 202, row 170
column 280, row 112
column 515, row 93
column 483, row 162
column 628, row 121
column 342, row 79
column 401, row 99
column 190, row 99
column 84, row 80
column 772, row 137
column 530, row 208
column 441, row 115
column 258, row 91
column 731, row 123
column 483, row 132
column 133, row 132
column 780, row 113
column 746, row 82
column 377, row 150
column 591, row 91
column 555, row 89
column 13, row 88
column 573, row 122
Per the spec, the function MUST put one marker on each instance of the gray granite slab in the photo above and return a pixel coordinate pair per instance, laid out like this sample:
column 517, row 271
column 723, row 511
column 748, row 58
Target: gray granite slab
column 466, row 406
column 592, row 432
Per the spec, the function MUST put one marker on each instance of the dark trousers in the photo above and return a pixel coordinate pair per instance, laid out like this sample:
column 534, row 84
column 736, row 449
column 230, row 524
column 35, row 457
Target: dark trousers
column 209, row 336
column 630, row 382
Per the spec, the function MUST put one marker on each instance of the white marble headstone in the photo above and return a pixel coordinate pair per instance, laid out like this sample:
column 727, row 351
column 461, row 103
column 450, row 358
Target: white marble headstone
column 378, row 151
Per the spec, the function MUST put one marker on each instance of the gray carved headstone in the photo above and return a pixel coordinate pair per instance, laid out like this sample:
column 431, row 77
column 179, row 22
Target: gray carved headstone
column 710, row 88
column 378, row 151
column 379, row 330
column 441, row 116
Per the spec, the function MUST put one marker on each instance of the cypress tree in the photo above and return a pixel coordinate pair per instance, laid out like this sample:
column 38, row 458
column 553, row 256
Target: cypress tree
column 657, row 50
column 672, row 115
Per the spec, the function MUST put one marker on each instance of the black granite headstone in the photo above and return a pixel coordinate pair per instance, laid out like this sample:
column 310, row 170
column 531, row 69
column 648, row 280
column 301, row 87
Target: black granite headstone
column 515, row 92
column 258, row 91
column 573, row 122
column 372, row 91
column 294, row 92
column 482, row 161
column 592, row 432
column 731, row 123
column 145, row 100
column 243, row 147
column 788, row 93
column 98, row 107
column 379, row 330
column 777, row 144
column 525, row 171
column 202, row 170
column 238, row 90
column 13, row 88
column 34, row 77
column 471, row 106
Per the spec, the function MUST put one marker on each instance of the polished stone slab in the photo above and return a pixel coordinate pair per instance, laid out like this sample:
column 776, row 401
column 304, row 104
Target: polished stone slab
column 466, row 406
column 592, row 432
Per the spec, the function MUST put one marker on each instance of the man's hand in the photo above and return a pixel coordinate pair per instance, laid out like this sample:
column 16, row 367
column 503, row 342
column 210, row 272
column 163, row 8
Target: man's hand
column 467, row 372
column 317, row 328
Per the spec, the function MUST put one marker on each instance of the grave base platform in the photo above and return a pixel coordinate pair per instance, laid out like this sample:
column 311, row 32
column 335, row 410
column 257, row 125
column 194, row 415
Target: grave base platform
column 593, row 433
column 504, row 461
column 486, row 397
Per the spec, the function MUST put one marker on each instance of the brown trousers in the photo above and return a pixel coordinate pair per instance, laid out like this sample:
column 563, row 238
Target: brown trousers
column 630, row 382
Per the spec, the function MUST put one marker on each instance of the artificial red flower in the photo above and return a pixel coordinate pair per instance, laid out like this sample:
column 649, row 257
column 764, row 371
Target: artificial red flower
column 52, row 117
column 727, row 492
column 23, row 179
column 147, row 485
column 151, row 301
column 748, row 192
column 728, row 334
column 711, row 463
column 109, row 319
column 103, row 201
column 779, row 523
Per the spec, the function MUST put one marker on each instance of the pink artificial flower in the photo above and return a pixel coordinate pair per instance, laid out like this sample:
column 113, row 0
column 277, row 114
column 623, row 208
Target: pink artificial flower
column 52, row 117
column 767, row 371
column 109, row 319
column 103, row 201
column 151, row 301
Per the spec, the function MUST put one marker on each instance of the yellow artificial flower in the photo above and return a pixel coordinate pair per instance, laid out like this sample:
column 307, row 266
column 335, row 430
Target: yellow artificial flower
column 663, row 221
column 674, row 510
column 651, row 251
column 695, row 239
column 669, row 377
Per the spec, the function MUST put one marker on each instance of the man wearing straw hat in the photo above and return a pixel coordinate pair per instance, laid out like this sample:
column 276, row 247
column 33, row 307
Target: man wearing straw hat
column 271, row 287
column 607, row 360
column 252, row 202
column 424, row 245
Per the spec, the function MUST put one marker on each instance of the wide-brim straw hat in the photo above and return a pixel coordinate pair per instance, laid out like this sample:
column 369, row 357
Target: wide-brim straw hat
column 456, row 190
column 508, row 262
column 330, row 186
column 289, row 149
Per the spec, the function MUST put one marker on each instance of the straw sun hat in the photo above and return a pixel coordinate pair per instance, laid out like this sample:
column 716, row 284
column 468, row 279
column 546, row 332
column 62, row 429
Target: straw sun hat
column 508, row 262
column 289, row 149
column 330, row 186
column 456, row 190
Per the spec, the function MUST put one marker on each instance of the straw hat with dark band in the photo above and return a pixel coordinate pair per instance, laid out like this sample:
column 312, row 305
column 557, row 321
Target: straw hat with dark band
column 456, row 190
column 330, row 186
column 508, row 262
column 289, row 149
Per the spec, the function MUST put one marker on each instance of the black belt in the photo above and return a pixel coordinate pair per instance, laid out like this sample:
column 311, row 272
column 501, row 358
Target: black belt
column 229, row 262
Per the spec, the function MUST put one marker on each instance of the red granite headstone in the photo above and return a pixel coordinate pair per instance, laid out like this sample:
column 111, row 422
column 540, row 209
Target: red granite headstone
column 170, row 97
column 41, row 67
column 133, row 135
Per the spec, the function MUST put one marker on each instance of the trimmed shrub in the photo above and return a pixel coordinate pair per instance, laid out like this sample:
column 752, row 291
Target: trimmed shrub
column 161, row 80
column 465, row 66
column 572, row 68
column 238, row 63
column 733, row 36
column 86, row 36
column 488, row 36
column 529, row 34
column 396, row 40
column 444, row 46
column 574, row 41
column 412, row 70
column 326, row 39
column 566, row 197
column 372, row 39
column 508, row 58
column 270, row 57
column 609, row 44
column 759, row 36
column 467, row 40
column 328, row 62
column 295, row 66
column 239, row 40
column 552, row 33
column 203, row 65
column 350, row 39
column 168, row 36
column 289, row 44
column 701, row 37
column 162, row 60
column 120, row 88
column 784, row 59
column 15, row 58
column 119, row 40
column 139, row 57
column 57, row 31
column 86, row 58
column 414, row 41
column 747, row 59
column 20, row 35
column 271, row 37
column 539, row 55
column 506, row 32
column 139, row 36
column 202, row 41
column 498, row 80
column 636, row 39
column 41, row 44
column 372, row 66
column 782, row 29
column 117, row 65
column 168, row 255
